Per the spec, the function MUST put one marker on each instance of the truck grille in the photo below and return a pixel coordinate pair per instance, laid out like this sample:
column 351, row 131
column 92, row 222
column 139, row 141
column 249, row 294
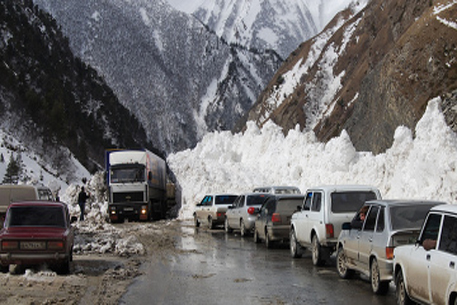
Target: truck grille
column 128, row 196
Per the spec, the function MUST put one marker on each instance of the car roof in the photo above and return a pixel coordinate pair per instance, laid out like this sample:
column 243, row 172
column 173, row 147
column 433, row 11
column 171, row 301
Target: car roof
column 37, row 203
column 447, row 208
column 290, row 196
column 403, row 202
column 343, row 187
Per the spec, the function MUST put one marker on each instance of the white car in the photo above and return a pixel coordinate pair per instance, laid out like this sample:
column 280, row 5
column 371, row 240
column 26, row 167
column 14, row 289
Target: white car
column 318, row 223
column 426, row 272
column 211, row 210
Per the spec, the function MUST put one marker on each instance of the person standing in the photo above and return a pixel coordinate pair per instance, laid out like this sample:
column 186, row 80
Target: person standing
column 82, row 197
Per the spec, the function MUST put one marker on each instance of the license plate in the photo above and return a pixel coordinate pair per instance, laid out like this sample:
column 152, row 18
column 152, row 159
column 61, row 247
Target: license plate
column 128, row 209
column 33, row 245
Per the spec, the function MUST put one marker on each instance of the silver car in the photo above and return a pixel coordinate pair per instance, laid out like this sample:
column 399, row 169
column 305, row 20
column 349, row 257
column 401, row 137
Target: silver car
column 211, row 210
column 367, row 243
column 243, row 213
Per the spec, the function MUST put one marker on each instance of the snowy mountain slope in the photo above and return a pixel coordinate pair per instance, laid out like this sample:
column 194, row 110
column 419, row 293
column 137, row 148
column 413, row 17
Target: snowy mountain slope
column 366, row 73
column 280, row 25
column 179, row 79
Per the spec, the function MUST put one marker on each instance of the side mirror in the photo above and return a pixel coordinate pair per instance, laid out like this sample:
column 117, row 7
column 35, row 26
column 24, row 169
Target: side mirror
column 299, row 208
column 346, row 226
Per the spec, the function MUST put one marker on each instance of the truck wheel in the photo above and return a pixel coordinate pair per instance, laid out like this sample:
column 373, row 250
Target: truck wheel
column 295, row 247
column 400, row 293
column 316, row 252
column 227, row 227
column 343, row 271
column 378, row 286
column 210, row 223
column 196, row 222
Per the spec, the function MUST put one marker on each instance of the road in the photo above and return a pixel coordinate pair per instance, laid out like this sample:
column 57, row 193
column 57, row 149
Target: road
column 212, row 267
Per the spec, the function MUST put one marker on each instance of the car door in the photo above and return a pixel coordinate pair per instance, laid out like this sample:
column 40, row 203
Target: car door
column 262, row 220
column 315, row 218
column 442, row 263
column 235, row 219
column 301, row 217
column 366, row 237
column 419, row 261
column 199, row 210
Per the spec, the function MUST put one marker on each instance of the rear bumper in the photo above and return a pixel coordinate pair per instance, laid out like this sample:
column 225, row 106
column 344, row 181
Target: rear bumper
column 29, row 258
column 279, row 232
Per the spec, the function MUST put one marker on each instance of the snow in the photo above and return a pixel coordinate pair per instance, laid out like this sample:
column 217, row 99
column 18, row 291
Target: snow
column 420, row 167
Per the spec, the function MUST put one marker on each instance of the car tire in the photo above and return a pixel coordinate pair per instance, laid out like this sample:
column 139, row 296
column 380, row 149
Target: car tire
column 256, row 237
column 378, row 286
column 295, row 247
column 243, row 232
column 268, row 242
column 343, row 271
column 227, row 227
column 400, row 293
column 4, row 269
column 196, row 222
column 210, row 223
column 316, row 252
column 64, row 268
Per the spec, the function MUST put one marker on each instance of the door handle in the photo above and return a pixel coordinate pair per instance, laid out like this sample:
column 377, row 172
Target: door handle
column 452, row 265
column 428, row 257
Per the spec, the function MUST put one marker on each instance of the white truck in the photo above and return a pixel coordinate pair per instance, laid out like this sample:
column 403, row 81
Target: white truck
column 318, row 222
column 137, row 185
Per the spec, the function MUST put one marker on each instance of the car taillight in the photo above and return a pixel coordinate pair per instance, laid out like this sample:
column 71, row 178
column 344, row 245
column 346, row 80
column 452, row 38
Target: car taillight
column 55, row 245
column 10, row 245
column 220, row 214
column 251, row 211
column 390, row 252
column 329, row 230
column 276, row 217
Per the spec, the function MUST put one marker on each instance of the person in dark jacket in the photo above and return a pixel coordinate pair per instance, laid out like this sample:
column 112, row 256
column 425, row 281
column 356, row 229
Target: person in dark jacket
column 82, row 197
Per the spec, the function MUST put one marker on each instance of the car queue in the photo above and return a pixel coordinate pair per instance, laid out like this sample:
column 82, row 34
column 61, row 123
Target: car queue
column 410, row 242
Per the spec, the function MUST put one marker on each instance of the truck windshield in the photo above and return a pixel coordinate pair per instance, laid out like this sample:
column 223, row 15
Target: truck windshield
column 127, row 174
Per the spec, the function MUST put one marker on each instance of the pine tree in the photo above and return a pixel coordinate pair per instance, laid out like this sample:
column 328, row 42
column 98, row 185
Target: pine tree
column 12, row 172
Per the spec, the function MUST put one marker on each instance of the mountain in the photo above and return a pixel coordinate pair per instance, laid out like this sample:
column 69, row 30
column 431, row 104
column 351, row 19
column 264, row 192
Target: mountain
column 52, row 102
column 280, row 25
column 366, row 73
column 174, row 74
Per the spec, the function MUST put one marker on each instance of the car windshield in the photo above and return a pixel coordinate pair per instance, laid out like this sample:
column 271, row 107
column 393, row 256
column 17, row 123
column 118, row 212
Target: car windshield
column 288, row 206
column 256, row 199
column 38, row 216
column 408, row 217
column 127, row 174
column 225, row 199
column 344, row 202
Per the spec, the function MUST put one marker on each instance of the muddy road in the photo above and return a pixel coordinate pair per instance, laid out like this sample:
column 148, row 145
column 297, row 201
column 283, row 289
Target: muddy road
column 185, row 265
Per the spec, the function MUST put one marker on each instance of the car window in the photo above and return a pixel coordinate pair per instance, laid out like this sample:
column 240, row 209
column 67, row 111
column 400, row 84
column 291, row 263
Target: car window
column 409, row 217
column 317, row 202
column 209, row 201
column 225, row 199
column 288, row 205
column 270, row 206
column 307, row 205
column 241, row 202
column 256, row 199
column 370, row 220
column 432, row 227
column 448, row 240
column 351, row 201
column 381, row 221
column 35, row 216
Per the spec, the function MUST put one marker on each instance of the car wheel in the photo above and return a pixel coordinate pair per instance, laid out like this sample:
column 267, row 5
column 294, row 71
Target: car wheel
column 400, row 292
column 295, row 247
column 4, row 269
column 268, row 242
column 343, row 271
column 378, row 286
column 242, row 229
column 196, row 222
column 64, row 268
column 316, row 252
column 256, row 237
column 227, row 227
column 210, row 223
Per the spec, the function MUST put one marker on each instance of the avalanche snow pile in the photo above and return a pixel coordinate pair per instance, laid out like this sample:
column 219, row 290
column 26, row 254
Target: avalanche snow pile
column 421, row 166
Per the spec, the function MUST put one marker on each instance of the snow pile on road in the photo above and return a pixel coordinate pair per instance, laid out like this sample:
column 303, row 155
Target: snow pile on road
column 421, row 167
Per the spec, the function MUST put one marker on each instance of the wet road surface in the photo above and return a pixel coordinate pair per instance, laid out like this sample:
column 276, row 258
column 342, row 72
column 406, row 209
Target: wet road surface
column 212, row 267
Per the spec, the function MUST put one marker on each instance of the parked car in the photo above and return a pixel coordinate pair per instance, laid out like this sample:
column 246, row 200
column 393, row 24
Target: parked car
column 37, row 232
column 273, row 221
column 277, row 190
column 425, row 272
column 11, row 193
column 243, row 213
column 317, row 225
column 367, row 243
column 211, row 210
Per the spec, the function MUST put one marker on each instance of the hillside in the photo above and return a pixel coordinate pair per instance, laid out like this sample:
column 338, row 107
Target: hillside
column 367, row 74
column 50, row 99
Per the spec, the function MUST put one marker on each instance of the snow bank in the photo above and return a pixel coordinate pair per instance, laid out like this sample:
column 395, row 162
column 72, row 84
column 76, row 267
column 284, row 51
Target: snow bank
column 423, row 166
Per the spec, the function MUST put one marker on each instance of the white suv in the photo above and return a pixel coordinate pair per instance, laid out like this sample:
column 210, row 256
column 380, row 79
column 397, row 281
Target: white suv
column 318, row 222
column 426, row 272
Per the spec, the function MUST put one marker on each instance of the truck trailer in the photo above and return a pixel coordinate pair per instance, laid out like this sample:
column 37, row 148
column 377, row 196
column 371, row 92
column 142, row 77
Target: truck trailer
column 137, row 185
